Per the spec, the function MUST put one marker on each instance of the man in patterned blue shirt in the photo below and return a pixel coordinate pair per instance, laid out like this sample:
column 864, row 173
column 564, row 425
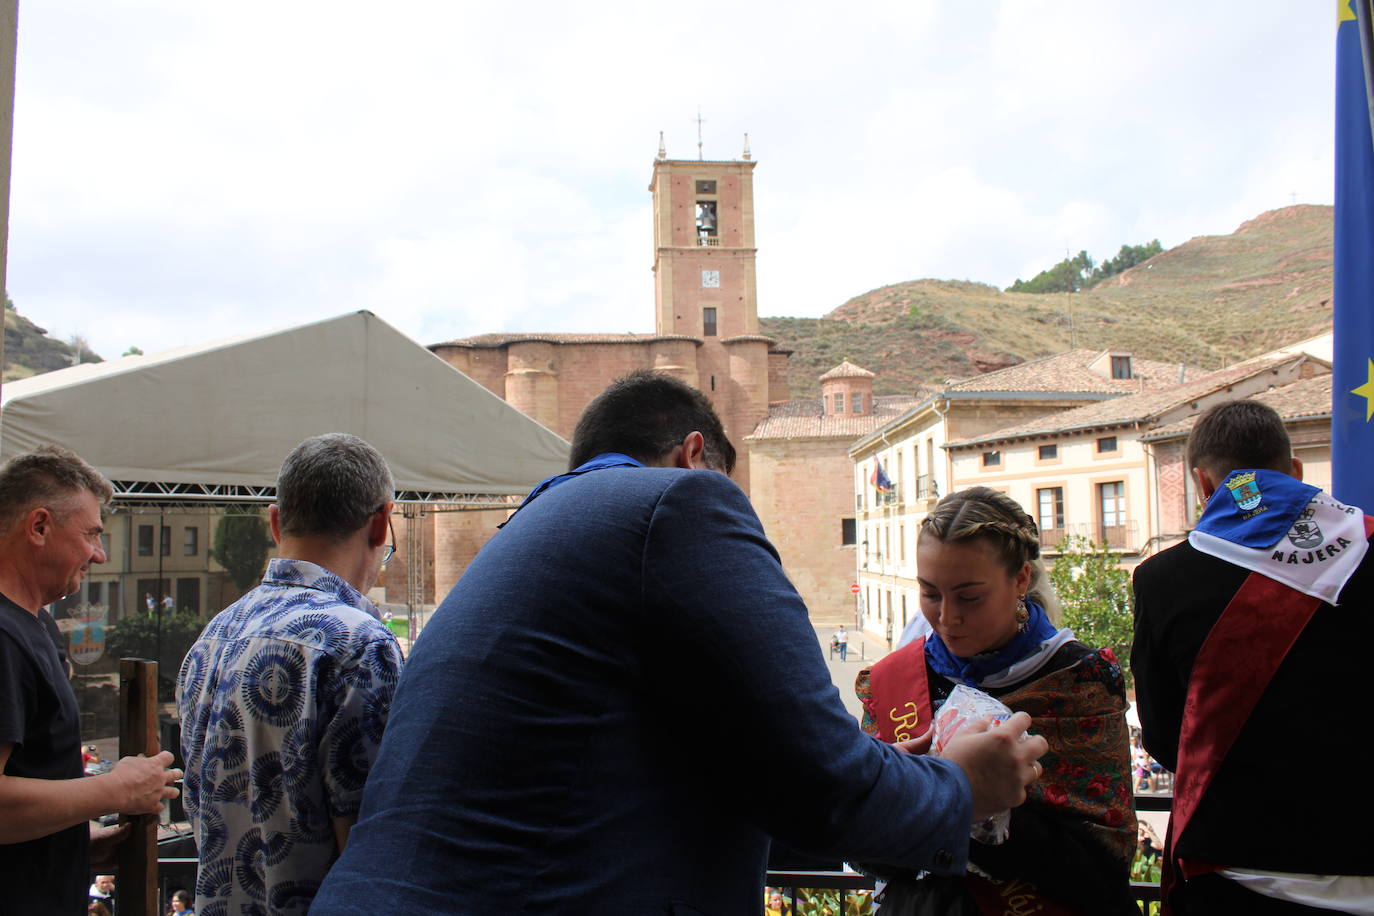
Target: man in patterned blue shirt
column 284, row 697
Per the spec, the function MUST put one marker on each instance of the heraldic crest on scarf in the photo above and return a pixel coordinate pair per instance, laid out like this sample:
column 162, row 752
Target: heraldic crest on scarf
column 1273, row 524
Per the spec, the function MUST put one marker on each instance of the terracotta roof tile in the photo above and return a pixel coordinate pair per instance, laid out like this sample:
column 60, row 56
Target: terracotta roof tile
column 1068, row 372
column 1136, row 408
column 847, row 369
column 493, row 341
column 1305, row 399
column 802, row 418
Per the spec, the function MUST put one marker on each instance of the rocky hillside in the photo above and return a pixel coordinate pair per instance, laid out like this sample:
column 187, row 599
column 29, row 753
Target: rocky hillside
column 29, row 350
column 1210, row 301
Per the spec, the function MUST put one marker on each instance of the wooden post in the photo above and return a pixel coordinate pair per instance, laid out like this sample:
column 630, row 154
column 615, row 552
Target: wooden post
column 136, row 887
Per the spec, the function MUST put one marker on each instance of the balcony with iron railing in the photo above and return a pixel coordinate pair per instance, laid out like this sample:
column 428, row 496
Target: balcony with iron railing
column 1124, row 537
column 782, row 874
column 920, row 497
column 176, row 868
column 927, row 487
column 880, row 499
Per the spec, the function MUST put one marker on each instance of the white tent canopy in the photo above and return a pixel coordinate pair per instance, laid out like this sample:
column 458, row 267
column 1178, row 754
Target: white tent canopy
column 214, row 422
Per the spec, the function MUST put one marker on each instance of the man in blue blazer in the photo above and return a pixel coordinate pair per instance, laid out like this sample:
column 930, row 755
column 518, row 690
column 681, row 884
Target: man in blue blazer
column 622, row 699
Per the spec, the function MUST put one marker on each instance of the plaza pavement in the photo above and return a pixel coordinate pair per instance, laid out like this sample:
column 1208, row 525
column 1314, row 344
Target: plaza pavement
column 864, row 650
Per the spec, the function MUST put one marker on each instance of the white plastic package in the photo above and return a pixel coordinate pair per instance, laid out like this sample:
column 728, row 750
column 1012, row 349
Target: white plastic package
column 965, row 705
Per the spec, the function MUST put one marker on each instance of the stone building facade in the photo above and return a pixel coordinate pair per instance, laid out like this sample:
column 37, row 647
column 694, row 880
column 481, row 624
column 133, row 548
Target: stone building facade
column 802, row 486
column 1097, row 451
column 914, row 452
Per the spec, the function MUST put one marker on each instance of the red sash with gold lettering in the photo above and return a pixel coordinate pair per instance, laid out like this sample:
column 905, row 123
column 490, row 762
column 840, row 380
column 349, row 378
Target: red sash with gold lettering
column 1012, row 897
column 900, row 699
column 1259, row 625
column 899, row 703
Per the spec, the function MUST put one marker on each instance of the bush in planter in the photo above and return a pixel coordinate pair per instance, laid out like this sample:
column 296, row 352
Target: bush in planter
column 137, row 637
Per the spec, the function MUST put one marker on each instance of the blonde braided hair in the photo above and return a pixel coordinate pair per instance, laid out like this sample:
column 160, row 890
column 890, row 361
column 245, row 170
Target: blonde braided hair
column 999, row 520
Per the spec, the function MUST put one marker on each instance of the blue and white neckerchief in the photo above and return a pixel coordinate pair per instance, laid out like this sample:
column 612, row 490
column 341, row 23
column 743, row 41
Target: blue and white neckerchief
column 599, row 463
column 991, row 666
column 1273, row 524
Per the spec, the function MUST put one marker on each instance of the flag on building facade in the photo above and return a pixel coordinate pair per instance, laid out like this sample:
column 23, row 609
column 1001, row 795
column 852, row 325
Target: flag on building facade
column 1352, row 397
column 879, row 478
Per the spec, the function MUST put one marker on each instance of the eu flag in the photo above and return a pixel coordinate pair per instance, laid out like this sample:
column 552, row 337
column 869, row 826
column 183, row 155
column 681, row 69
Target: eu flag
column 1352, row 397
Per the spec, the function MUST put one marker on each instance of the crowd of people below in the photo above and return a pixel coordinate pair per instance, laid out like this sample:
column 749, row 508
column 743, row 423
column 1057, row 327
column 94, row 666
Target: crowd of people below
column 1150, row 775
column 101, row 899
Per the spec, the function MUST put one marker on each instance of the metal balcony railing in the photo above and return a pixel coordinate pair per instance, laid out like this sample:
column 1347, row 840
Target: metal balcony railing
column 176, row 867
column 1146, row 893
column 1116, row 536
column 1124, row 537
column 1051, row 538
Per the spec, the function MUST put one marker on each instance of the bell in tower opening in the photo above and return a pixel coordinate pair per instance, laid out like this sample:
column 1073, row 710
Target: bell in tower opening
column 706, row 220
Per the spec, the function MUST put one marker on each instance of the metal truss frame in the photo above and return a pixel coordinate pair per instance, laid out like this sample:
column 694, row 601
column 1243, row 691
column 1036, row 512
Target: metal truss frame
column 163, row 494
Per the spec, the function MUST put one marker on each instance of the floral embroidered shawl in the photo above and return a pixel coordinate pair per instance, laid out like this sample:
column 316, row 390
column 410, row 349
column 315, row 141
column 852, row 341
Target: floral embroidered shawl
column 1080, row 711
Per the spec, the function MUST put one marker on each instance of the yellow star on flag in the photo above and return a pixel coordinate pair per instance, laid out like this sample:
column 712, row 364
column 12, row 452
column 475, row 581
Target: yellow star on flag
column 1344, row 11
column 1366, row 391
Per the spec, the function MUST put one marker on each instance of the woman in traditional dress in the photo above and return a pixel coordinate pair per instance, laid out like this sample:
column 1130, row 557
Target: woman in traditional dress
column 988, row 600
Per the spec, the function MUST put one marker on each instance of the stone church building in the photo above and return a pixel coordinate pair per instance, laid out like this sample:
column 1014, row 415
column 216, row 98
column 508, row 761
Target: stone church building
column 793, row 457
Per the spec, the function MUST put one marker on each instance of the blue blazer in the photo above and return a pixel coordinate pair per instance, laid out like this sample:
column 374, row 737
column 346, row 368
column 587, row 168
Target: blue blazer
column 613, row 710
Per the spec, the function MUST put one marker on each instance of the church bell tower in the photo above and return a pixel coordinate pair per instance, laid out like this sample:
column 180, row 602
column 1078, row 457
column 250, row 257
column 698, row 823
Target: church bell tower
column 704, row 247
column 704, row 288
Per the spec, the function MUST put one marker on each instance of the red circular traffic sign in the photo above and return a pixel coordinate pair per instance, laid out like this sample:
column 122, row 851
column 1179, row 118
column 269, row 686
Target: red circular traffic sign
column 854, row 589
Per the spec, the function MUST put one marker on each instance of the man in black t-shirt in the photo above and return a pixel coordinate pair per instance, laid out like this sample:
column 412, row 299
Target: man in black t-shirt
column 50, row 526
column 46, row 618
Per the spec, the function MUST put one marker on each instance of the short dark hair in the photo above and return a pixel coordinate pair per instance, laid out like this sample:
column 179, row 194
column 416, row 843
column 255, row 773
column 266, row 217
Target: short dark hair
column 1240, row 434
column 329, row 485
column 644, row 415
column 47, row 476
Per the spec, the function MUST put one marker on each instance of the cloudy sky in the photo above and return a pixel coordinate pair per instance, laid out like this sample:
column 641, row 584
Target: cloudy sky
column 185, row 171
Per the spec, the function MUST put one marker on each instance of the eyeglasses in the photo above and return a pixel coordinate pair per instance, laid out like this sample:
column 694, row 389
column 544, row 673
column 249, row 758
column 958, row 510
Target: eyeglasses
column 390, row 550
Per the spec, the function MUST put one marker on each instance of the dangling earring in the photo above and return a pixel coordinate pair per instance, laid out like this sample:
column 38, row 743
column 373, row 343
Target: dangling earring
column 1022, row 614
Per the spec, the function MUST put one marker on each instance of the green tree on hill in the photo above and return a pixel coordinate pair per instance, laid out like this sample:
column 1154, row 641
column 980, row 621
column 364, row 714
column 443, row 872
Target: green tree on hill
column 1078, row 272
column 1128, row 257
column 1068, row 276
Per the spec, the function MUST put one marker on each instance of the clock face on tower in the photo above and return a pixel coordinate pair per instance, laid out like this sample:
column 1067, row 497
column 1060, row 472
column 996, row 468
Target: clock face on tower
column 710, row 279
